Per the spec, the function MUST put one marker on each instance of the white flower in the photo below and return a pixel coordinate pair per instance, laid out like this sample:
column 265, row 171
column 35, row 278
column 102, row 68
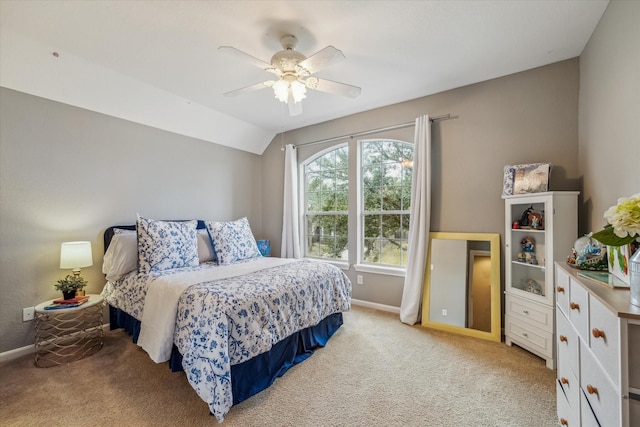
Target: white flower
column 625, row 216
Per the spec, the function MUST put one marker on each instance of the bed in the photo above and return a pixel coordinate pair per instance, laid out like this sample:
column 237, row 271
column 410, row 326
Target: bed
column 199, row 295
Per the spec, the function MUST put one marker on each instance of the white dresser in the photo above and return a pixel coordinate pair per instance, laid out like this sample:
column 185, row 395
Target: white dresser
column 598, row 353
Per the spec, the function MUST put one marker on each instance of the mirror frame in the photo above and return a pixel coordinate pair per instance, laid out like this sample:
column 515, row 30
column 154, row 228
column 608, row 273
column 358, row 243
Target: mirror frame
column 494, row 243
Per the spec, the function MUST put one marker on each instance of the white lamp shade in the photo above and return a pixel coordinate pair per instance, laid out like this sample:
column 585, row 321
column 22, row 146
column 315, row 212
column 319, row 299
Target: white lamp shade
column 75, row 255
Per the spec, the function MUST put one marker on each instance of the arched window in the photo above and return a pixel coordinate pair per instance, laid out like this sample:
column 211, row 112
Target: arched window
column 381, row 193
column 326, row 201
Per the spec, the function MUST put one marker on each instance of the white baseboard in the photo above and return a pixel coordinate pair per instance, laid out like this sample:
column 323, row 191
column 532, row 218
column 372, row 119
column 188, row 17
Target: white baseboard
column 377, row 306
column 16, row 353
column 7, row 356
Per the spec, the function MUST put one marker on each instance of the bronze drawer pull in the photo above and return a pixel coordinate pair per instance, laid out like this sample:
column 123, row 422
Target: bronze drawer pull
column 563, row 339
column 597, row 333
column 560, row 289
column 574, row 306
column 564, row 422
column 563, row 380
column 592, row 390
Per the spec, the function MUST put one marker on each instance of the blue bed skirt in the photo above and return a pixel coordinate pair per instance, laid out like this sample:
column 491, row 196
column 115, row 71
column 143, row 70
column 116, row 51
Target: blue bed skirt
column 258, row 373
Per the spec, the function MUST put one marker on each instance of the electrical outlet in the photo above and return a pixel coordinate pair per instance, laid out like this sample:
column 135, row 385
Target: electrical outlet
column 444, row 311
column 360, row 281
column 28, row 314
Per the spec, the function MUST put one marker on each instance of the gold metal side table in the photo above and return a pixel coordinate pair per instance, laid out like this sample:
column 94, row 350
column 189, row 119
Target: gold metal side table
column 68, row 334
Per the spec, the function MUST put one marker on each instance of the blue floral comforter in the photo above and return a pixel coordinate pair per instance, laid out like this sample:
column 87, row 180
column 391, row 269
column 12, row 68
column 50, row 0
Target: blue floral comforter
column 228, row 321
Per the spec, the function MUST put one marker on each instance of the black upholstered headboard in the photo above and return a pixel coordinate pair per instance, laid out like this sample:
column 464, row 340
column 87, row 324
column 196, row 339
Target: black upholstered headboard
column 109, row 232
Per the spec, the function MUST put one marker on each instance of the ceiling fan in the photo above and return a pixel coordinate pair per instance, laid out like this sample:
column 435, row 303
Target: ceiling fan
column 295, row 73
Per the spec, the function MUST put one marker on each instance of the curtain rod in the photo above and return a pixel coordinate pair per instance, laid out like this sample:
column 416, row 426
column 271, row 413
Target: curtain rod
column 368, row 132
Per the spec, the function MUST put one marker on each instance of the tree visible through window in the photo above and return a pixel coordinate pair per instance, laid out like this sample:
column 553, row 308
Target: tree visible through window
column 326, row 214
column 386, row 171
column 384, row 196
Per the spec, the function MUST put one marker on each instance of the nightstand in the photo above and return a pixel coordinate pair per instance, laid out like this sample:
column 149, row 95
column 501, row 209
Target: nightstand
column 68, row 334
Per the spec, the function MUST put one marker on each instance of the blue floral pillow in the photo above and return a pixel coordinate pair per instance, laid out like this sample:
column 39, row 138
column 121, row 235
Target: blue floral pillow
column 164, row 245
column 233, row 241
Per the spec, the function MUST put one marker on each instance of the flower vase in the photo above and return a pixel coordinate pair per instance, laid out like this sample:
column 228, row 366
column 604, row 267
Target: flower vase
column 634, row 276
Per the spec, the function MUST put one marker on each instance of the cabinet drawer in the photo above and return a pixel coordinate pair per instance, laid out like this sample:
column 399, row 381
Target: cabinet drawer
column 562, row 290
column 535, row 314
column 568, row 344
column 605, row 338
column 597, row 387
column 535, row 338
column 567, row 416
column 579, row 309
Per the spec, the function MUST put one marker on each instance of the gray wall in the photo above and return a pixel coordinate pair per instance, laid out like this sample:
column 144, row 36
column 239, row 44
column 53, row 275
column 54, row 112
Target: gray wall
column 609, row 142
column 525, row 117
column 67, row 173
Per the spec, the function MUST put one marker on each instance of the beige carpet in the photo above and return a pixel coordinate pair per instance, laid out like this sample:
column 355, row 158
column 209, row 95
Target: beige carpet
column 375, row 371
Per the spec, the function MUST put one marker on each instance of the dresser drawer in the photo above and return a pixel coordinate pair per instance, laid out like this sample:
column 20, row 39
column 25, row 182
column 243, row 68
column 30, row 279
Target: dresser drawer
column 568, row 381
column 568, row 343
column 534, row 338
column 562, row 290
column 535, row 314
column 567, row 416
column 634, row 356
column 586, row 414
column 599, row 390
column 605, row 338
column 579, row 309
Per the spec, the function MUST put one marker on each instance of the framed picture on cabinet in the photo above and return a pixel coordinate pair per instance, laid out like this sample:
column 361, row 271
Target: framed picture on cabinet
column 525, row 179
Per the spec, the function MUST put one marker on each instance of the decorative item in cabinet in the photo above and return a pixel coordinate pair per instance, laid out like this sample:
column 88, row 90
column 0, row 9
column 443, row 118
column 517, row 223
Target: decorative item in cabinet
column 540, row 228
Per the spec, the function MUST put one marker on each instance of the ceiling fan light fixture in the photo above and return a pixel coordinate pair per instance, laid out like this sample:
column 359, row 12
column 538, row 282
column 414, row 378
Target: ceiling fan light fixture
column 281, row 90
column 284, row 91
column 298, row 90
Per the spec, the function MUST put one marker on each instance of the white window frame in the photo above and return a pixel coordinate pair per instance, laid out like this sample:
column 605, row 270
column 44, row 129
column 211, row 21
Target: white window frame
column 354, row 210
column 342, row 264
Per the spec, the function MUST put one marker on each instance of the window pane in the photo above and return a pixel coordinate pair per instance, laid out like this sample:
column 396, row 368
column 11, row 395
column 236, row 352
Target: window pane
column 371, row 176
column 392, row 173
column 342, row 158
column 371, row 152
column 392, row 199
column 371, row 251
column 314, row 201
column 314, row 182
column 372, row 226
column 372, row 198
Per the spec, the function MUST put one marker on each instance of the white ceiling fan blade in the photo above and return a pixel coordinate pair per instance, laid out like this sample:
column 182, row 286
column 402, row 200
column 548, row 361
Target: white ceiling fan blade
column 332, row 87
column 295, row 108
column 323, row 59
column 246, row 57
column 251, row 88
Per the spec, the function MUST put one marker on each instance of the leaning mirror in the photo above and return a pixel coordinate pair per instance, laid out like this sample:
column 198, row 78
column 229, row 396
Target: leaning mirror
column 462, row 284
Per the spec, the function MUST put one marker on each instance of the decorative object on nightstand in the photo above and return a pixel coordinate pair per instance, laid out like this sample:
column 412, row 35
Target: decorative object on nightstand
column 622, row 229
column 74, row 256
column 530, row 251
column 264, row 246
column 68, row 332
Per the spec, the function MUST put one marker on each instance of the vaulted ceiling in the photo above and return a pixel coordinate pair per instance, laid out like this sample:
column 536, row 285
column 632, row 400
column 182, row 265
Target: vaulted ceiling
column 157, row 62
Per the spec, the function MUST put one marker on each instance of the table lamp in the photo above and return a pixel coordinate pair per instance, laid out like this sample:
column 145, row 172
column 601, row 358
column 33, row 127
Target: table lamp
column 75, row 255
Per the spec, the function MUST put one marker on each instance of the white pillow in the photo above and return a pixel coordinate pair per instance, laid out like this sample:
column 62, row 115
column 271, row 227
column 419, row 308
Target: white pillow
column 121, row 256
column 165, row 245
column 205, row 247
column 233, row 241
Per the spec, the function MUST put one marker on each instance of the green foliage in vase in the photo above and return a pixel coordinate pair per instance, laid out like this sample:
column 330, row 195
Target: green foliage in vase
column 70, row 283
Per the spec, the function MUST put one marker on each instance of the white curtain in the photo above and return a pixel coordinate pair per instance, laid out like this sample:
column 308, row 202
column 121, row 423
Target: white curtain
column 419, row 222
column 290, row 227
